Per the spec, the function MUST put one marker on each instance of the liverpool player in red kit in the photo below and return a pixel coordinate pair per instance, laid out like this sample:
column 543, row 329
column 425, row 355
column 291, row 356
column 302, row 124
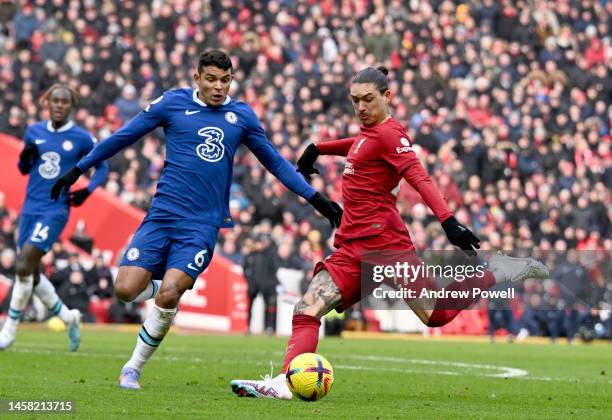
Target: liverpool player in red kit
column 376, row 160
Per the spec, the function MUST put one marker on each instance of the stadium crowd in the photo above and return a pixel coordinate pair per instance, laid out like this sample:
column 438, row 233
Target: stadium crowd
column 507, row 103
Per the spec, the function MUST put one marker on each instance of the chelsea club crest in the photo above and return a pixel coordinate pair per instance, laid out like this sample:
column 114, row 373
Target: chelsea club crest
column 133, row 254
column 67, row 145
column 231, row 118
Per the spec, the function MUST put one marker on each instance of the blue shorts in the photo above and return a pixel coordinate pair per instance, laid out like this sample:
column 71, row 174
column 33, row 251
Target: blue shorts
column 161, row 244
column 41, row 230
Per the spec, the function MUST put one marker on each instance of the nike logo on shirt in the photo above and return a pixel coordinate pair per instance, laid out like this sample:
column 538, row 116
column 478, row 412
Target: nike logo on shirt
column 188, row 112
column 40, row 141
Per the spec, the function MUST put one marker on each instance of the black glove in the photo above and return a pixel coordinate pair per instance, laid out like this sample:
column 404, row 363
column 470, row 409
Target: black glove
column 461, row 236
column 27, row 157
column 327, row 208
column 305, row 162
column 78, row 197
column 63, row 184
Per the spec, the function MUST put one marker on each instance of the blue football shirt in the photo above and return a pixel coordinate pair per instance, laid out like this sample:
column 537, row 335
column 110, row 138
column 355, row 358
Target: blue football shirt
column 58, row 151
column 201, row 142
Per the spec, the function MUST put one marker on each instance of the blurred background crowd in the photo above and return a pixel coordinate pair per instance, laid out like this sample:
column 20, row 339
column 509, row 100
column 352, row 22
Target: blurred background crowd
column 507, row 102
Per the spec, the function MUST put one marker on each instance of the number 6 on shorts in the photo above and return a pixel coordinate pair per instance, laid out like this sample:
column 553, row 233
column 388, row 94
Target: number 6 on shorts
column 199, row 260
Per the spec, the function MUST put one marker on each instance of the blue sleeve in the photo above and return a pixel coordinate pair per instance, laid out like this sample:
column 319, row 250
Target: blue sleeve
column 101, row 173
column 137, row 127
column 258, row 143
column 25, row 167
column 99, row 176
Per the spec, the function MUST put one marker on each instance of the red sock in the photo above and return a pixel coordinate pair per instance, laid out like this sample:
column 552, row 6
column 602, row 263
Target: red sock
column 304, row 337
column 447, row 309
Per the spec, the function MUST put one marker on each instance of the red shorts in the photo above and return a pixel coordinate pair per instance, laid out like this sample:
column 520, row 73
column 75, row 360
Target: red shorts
column 345, row 264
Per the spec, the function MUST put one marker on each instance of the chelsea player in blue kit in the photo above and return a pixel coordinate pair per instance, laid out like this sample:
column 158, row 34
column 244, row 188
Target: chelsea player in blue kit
column 51, row 148
column 204, row 128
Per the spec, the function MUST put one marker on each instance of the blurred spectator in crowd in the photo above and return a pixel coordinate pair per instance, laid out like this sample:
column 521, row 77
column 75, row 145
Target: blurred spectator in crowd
column 7, row 264
column 260, row 266
column 100, row 279
column 124, row 313
column 500, row 315
column 74, row 294
column 81, row 238
column 287, row 258
column 573, row 281
column 229, row 249
column 128, row 103
column 3, row 210
column 7, row 233
column 59, row 255
column 14, row 124
column 63, row 275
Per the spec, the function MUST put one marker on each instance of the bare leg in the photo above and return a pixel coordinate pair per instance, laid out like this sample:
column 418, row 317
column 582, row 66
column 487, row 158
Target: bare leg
column 131, row 282
column 321, row 297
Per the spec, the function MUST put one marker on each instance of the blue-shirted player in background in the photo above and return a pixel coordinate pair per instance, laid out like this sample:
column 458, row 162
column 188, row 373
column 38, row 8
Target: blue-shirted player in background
column 51, row 149
column 204, row 127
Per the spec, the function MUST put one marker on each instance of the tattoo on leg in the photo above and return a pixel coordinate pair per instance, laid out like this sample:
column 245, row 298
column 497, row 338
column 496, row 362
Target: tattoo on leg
column 299, row 307
column 322, row 294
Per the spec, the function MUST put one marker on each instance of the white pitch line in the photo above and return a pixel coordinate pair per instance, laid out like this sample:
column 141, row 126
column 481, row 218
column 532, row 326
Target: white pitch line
column 396, row 370
column 506, row 371
column 503, row 371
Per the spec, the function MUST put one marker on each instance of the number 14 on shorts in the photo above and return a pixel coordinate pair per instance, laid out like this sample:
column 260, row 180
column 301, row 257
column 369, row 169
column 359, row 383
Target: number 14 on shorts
column 199, row 260
column 40, row 234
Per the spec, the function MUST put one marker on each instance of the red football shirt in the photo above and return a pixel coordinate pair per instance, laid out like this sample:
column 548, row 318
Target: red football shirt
column 376, row 160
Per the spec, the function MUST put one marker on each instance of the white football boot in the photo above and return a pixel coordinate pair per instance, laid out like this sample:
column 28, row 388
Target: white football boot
column 513, row 269
column 7, row 337
column 269, row 387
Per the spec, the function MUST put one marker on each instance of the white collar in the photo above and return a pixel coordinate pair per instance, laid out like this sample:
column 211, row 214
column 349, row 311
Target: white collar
column 63, row 128
column 199, row 102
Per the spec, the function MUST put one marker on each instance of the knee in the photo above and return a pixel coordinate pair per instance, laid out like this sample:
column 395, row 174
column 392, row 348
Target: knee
column 22, row 268
column 168, row 297
column 124, row 292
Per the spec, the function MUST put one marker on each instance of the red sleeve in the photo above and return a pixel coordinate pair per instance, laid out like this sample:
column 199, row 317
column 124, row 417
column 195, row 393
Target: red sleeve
column 397, row 151
column 339, row 147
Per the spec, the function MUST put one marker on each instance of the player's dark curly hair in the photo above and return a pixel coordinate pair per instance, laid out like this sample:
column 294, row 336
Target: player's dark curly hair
column 216, row 58
column 74, row 97
column 377, row 75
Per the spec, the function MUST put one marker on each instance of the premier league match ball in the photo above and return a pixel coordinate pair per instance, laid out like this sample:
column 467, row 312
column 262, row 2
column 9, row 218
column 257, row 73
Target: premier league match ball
column 310, row 377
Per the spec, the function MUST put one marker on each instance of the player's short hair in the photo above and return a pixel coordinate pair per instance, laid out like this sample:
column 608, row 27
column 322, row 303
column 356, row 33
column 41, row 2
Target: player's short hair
column 216, row 58
column 74, row 97
column 377, row 76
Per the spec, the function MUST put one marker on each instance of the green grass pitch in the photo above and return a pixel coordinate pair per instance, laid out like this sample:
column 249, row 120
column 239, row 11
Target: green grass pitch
column 189, row 377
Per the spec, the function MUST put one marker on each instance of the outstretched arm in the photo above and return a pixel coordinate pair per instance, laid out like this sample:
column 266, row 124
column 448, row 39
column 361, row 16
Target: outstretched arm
column 137, row 127
column 305, row 164
column 258, row 143
column 278, row 165
column 78, row 197
column 397, row 151
column 458, row 234
column 99, row 176
column 417, row 177
column 339, row 147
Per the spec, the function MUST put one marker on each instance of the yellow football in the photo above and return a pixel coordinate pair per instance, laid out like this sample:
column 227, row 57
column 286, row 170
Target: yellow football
column 56, row 324
column 310, row 376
